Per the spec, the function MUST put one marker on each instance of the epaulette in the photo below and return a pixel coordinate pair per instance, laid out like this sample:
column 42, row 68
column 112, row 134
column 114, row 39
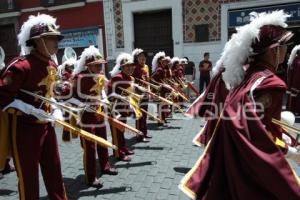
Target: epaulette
column 12, row 62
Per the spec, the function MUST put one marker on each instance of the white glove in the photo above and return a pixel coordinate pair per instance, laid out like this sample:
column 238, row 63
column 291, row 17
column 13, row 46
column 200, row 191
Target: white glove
column 75, row 102
column 56, row 112
column 287, row 139
column 292, row 151
column 29, row 110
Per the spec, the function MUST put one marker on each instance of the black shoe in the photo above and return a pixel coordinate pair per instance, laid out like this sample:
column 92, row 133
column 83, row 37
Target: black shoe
column 142, row 139
column 8, row 168
column 111, row 171
column 96, row 184
column 145, row 140
column 148, row 136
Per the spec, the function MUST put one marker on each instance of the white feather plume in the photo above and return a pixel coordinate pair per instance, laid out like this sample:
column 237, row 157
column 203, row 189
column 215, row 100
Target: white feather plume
column 175, row 59
column 87, row 54
column 183, row 61
column 120, row 58
column 238, row 49
column 24, row 34
column 155, row 59
column 293, row 55
column 136, row 52
column 2, row 58
column 61, row 68
column 219, row 64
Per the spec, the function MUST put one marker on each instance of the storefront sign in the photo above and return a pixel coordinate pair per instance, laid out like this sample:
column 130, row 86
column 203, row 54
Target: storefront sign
column 241, row 17
column 79, row 38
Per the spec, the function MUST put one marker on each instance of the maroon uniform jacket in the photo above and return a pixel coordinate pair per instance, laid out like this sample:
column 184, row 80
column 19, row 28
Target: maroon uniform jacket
column 84, row 82
column 29, row 73
column 241, row 161
column 120, row 80
column 159, row 75
column 139, row 73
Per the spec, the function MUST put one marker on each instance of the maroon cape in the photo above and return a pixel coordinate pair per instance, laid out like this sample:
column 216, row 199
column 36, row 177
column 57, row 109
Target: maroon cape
column 294, row 85
column 241, row 161
column 209, row 106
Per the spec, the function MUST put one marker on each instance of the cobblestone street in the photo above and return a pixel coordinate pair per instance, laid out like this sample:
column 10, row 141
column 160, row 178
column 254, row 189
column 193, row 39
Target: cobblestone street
column 154, row 173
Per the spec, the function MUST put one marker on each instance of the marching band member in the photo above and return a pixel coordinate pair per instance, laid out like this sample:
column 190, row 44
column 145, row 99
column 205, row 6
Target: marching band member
column 293, row 80
column 141, row 72
column 33, row 137
column 161, row 71
column 121, row 77
column 89, row 82
column 65, row 74
column 242, row 159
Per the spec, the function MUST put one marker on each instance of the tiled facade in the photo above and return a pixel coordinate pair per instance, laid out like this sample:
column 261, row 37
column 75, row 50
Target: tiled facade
column 118, row 18
column 195, row 12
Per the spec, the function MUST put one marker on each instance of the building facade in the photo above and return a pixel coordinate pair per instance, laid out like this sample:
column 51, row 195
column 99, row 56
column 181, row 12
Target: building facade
column 81, row 22
column 195, row 26
column 178, row 27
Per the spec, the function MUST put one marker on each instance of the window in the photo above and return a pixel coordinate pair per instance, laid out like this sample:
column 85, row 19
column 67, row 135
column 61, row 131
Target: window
column 201, row 33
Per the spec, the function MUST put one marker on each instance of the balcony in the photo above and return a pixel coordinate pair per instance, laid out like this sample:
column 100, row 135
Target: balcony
column 49, row 3
column 8, row 6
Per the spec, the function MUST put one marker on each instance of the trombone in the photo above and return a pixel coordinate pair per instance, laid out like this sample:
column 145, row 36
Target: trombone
column 114, row 122
column 174, row 92
column 156, row 87
column 78, row 131
column 136, row 104
column 284, row 125
column 159, row 97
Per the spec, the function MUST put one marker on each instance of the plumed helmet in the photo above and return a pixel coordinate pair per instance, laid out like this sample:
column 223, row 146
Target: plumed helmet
column 175, row 60
column 136, row 52
column 293, row 54
column 89, row 56
column 156, row 58
column 265, row 30
column 122, row 60
column 36, row 27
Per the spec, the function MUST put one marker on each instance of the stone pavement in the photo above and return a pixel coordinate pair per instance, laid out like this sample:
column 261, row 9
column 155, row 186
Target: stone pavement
column 154, row 173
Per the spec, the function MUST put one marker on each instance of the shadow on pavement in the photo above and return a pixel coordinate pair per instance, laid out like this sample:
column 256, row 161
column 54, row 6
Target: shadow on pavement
column 5, row 192
column 149, row 148
column 182, row 170
column 77, row 188
column 154, row 126
column 129, row 165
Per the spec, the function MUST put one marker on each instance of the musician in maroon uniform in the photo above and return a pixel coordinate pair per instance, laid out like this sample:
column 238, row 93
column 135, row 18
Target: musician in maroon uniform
column 241, row 160
column 141, row 71
column 89, row 86
column 65, row 74
column 121, row 77
column 33, row 138
column 294, row 80
column 161, row 71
